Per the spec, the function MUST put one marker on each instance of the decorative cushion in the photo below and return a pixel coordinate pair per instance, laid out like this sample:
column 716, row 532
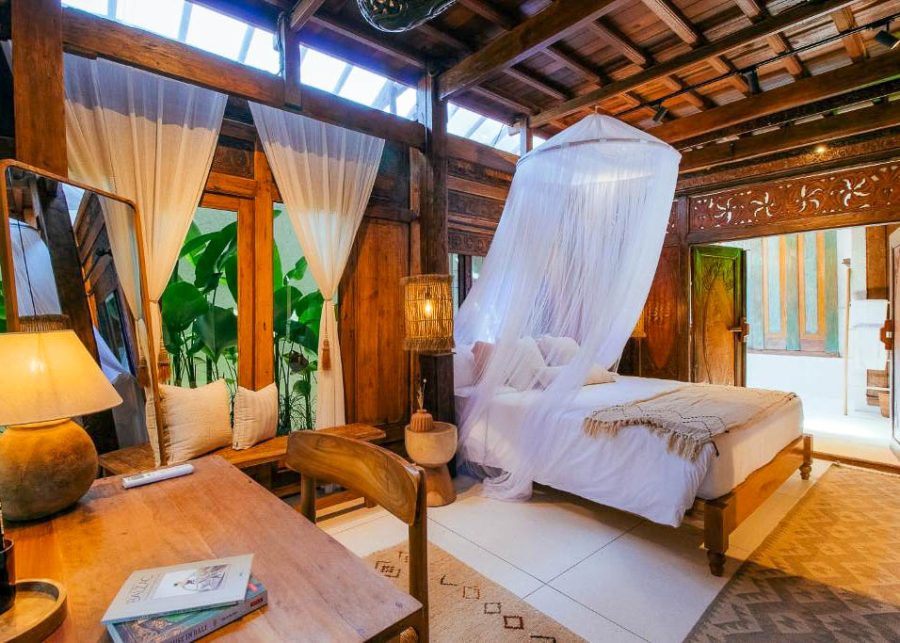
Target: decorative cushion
column 481, row 353
column 597, row 375
column 557, row 351
column 197, row 420
column 255, row 416
column 526, row 363
column 463, row 366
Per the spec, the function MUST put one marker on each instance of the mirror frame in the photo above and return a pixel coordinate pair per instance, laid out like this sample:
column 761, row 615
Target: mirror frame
column 8, row 269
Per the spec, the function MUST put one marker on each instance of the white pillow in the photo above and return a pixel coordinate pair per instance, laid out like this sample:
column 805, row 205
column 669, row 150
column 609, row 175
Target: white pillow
column 525, row 364
column 255, row 416
column 197, row 420
column 557, row 351
column 597, row 375
column 463, row 366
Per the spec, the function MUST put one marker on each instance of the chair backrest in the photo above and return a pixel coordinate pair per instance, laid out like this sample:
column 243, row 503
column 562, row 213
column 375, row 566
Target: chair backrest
column 376, row 473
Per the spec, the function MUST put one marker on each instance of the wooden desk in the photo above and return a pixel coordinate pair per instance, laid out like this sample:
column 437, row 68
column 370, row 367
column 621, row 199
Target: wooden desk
column 318, row 591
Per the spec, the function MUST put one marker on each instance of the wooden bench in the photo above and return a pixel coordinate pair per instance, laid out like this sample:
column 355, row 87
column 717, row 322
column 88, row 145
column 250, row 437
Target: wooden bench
column 263, row 462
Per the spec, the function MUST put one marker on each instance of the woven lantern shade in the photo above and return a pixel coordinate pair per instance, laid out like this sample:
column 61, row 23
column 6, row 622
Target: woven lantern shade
column 428, row 311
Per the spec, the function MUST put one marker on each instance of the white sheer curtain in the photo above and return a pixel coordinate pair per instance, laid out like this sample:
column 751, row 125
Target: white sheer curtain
column 36, row 292
column 574, row 256
column 325, row 174
column 147, row 138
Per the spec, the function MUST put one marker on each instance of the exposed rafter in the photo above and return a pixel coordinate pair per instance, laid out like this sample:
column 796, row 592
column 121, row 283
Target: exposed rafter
column 302, row 12
column 853, row 43
column 813, row 133
column 833, row 83
column 707, row 52
column 532, row 35
column 756, row 10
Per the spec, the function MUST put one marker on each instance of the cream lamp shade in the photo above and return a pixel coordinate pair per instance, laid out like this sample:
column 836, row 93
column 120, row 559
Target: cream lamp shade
column 428, row 313
column 49, row 376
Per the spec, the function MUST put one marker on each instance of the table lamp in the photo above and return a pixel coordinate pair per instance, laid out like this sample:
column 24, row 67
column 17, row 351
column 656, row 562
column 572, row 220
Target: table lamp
column 47, row 461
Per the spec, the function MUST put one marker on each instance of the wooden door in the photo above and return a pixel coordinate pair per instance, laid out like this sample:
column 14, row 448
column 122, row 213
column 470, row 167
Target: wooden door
column 718, row 322
column 887, row 335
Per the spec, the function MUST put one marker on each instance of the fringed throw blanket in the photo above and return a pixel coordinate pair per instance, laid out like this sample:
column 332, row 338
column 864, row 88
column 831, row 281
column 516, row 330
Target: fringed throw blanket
column 689, row 416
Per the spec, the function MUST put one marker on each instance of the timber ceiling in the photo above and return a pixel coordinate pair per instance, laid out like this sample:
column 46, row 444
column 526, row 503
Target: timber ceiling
column 592, row 45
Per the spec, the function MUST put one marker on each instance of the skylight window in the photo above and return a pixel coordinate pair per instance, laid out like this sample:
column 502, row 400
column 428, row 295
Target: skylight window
column 262, row 53
column 488, row 131
column 462, row 121
column 162, row 17
column 363, row 87
column 215, row 32
column 321, row 70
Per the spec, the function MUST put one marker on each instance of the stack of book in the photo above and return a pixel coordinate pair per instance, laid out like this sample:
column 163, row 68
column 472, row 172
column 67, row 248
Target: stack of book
column 184, row 602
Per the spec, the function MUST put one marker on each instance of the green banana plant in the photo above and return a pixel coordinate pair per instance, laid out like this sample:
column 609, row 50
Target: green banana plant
column 200, row 333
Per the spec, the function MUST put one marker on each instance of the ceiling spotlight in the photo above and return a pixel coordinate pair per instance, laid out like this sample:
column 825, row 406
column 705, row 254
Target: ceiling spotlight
column 820, row 149
column 887, row 39
column 660, row 114
column 752, row 78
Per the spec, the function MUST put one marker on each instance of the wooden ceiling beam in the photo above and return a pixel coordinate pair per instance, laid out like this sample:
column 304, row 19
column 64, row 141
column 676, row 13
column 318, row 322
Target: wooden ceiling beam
column 813, row 133
column 643, row 59
column 534, row 34
column 302, row 12
column 85, row 34
column 675, row 20
column 778, row 42
column 761, row 29
column 853, row 43
column 489, row 13
column 806, row 90
column 826, row 106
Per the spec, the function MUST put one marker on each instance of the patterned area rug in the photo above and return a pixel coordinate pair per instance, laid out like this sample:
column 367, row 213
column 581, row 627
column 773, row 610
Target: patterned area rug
column 466, row 606
column 829, row 572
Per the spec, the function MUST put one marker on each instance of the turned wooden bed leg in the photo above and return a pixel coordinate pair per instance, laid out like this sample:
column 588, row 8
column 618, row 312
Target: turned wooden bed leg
column 806, row 467
column 716, row 531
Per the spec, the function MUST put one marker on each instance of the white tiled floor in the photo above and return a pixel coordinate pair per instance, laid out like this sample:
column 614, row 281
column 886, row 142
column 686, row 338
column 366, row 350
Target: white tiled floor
column 604, row 574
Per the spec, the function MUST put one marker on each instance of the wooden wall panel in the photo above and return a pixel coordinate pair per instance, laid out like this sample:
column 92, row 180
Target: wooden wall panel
column 376, row 368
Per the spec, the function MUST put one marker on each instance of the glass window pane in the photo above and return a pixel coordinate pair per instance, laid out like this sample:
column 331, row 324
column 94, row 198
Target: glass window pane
column 298, row 308
column 215, row 32
column 406, row 103
column 362, row 86
column 262, row 53
column 98, row 7
column 199, row 306
column 161, row 17
column 321, row 70
column 454, row 281
column 462, row 121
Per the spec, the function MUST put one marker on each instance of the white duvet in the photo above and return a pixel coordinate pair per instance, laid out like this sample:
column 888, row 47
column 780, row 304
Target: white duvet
column 632, row 471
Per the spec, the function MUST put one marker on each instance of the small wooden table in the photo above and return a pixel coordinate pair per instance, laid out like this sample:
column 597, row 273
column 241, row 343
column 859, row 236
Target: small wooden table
column 318, row 591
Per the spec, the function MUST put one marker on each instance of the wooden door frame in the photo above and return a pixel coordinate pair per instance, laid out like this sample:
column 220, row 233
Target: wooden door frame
column 893, row 241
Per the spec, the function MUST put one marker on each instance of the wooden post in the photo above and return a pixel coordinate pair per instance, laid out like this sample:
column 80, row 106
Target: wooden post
column 290, row 64
column 264, row 350
column 38, row 90
column 526, row 138
column 434, row 244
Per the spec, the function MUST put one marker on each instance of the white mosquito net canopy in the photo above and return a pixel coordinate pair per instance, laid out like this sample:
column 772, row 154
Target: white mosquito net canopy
column 573, row 257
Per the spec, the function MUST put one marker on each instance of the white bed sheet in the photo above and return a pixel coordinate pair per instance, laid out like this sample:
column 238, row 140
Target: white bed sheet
column 632, row 471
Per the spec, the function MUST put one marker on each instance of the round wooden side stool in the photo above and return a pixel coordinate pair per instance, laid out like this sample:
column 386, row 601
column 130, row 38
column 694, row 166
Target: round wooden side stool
column 432, row 450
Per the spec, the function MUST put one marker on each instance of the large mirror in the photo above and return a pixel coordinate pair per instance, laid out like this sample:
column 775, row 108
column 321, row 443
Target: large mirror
column 71, row 259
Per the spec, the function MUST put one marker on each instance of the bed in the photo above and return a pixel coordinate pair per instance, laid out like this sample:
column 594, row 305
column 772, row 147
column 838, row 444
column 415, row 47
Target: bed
column 635, row 472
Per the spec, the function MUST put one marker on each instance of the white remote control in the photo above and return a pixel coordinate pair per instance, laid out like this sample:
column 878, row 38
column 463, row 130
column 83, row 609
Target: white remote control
column 157, row 475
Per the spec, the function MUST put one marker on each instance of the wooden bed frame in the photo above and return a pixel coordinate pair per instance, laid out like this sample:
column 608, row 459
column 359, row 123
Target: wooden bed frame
column 722, row 515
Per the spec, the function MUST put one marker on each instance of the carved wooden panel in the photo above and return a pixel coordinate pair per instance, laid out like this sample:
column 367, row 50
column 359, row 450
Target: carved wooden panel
column 718, row 307
column 233, row 156
column 660, row 350
column 476, row 172
column 860, row 190
column 464, row 242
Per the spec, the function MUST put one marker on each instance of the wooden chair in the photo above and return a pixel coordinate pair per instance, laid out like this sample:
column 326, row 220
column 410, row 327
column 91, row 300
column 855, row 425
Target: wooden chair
column 378, row 475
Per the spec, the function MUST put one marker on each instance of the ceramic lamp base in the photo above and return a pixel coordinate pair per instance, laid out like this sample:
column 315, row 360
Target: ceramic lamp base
column 44, row 468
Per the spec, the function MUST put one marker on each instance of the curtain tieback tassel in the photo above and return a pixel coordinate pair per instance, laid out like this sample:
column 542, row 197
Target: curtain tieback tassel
column 325, row 357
